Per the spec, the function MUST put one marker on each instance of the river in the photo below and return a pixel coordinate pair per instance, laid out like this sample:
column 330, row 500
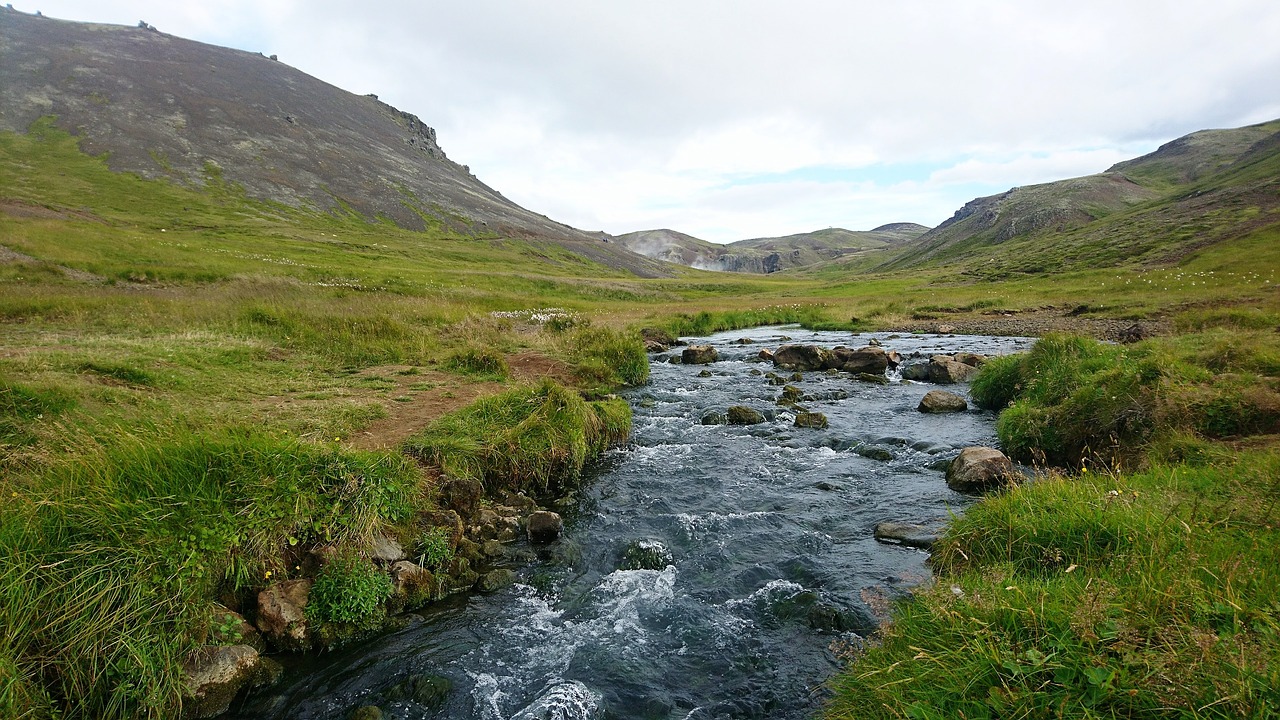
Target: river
column 767, row 570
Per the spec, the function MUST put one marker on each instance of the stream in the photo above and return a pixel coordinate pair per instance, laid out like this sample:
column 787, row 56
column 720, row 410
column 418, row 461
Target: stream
column 766, row 575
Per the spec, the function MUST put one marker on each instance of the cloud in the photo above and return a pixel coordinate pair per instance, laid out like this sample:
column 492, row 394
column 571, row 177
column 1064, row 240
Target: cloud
column 622, row 115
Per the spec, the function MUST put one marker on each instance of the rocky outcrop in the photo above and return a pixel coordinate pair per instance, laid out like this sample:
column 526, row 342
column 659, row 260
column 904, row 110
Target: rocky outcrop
column 699, row 355
column 462, row 495
column 978, row 469
column 282, row 615
column 941, row 401
column 386, row 549
column 495, row 580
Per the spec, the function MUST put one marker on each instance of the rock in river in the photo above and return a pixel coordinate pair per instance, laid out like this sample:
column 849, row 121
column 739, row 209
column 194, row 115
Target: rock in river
column 977, row 469
column 743, row 415
column 802, row 357
column 941, row 401
column 544, row 526
column 699, row 355
column 917, row 536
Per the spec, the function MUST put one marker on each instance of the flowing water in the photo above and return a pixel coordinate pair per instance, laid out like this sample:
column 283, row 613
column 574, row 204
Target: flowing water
column 764, row 538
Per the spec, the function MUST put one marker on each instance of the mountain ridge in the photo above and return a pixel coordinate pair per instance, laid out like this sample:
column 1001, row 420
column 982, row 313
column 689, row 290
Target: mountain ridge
column 163, row 106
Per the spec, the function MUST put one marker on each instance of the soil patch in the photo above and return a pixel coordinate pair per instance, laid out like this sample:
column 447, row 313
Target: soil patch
column 434, row 393
column 1039, row 322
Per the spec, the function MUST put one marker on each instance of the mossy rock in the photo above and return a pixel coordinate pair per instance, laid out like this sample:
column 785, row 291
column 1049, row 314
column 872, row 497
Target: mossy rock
column 743, row 415
column 811, row 420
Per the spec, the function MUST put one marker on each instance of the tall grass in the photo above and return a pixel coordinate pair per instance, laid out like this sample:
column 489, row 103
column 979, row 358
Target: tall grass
column 109, row 562
column 537, row 439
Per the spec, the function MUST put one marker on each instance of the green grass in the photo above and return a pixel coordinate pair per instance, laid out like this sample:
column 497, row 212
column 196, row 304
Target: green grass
column 1139, row 593
column 146, row 325
column 1098, row 596
column 536, row 440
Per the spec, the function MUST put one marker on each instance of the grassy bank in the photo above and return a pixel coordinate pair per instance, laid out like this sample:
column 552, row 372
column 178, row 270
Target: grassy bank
column 1139, row 584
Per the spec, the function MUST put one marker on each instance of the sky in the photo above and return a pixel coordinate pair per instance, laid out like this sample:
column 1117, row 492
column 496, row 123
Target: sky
column 737, row 119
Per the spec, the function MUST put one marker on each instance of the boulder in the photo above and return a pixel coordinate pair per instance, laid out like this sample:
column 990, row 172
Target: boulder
column 712, row 417
column 699, row 355
column 765, row 354
column 495, row 580
column 215, row 674
column 968, row 358
column 802, row 357
column 653, row 346
column 811, row 420
column 874, row 452
column 412, row 585
column 977, row 469
column 387, row 550
column 743, row 415
column 917, row 371
column 462, row 495
column 917, row 536
column 871, row 378
column 282, row 615
column 544, row 526
column 744, row 341
column 944, row 370
column 790, row 394
column 894, row 357
column 869, row 359
column 941, row 401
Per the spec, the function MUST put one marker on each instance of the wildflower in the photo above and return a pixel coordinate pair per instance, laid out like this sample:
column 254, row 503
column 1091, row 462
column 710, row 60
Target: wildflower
column 267, row 575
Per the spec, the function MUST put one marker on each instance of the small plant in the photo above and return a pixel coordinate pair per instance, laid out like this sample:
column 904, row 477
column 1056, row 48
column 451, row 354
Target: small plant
column 434, row 548
column 349, row 589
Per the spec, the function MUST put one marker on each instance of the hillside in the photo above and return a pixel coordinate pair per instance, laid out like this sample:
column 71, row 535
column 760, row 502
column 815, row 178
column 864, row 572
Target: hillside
column 1197, row 190
column 770, row 254
column 161, row 106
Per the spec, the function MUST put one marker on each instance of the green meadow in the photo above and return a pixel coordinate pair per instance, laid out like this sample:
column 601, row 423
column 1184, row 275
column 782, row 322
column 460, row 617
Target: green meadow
column 190, row 381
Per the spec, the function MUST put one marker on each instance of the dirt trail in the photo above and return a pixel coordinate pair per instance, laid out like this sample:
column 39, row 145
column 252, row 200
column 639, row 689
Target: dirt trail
column 450, row 392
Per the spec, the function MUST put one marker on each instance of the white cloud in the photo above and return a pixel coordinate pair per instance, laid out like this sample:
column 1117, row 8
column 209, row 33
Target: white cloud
column 629, row 115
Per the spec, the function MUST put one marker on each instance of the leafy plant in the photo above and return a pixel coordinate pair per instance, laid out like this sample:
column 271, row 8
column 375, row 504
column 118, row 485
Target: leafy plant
column 434, row 548
column 349, row 589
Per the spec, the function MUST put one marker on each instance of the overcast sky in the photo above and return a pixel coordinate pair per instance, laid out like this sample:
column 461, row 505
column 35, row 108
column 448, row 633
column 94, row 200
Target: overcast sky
column 749, row 118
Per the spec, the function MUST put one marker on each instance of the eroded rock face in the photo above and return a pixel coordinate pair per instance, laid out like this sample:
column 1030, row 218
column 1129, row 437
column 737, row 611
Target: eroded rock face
column 282, row 615
column 802, row 357
column 544, row 526
column 387, row 549
column 941, row 401
column 412, row 586
column 978, row 469
column 699, row 355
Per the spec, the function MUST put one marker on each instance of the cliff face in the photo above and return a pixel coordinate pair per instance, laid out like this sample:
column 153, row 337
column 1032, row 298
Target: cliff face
column 160, row 105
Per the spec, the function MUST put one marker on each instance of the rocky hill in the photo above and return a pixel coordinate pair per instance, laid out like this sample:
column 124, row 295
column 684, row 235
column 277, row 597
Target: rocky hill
column 771, row 254
column 1203, row 188
column 163, row 106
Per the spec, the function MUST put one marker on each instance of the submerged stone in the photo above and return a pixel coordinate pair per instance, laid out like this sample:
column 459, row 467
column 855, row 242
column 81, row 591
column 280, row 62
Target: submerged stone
column 645, row 555
column 743, row 415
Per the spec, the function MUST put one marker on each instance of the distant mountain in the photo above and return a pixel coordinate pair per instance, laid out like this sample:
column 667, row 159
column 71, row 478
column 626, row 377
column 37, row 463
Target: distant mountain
column 1203, row 188
column 767, row 255
column 162, row 106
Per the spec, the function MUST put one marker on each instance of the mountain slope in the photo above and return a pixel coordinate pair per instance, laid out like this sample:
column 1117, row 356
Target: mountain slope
column 767, row 255
column 162, row 106
column 1197, row 190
